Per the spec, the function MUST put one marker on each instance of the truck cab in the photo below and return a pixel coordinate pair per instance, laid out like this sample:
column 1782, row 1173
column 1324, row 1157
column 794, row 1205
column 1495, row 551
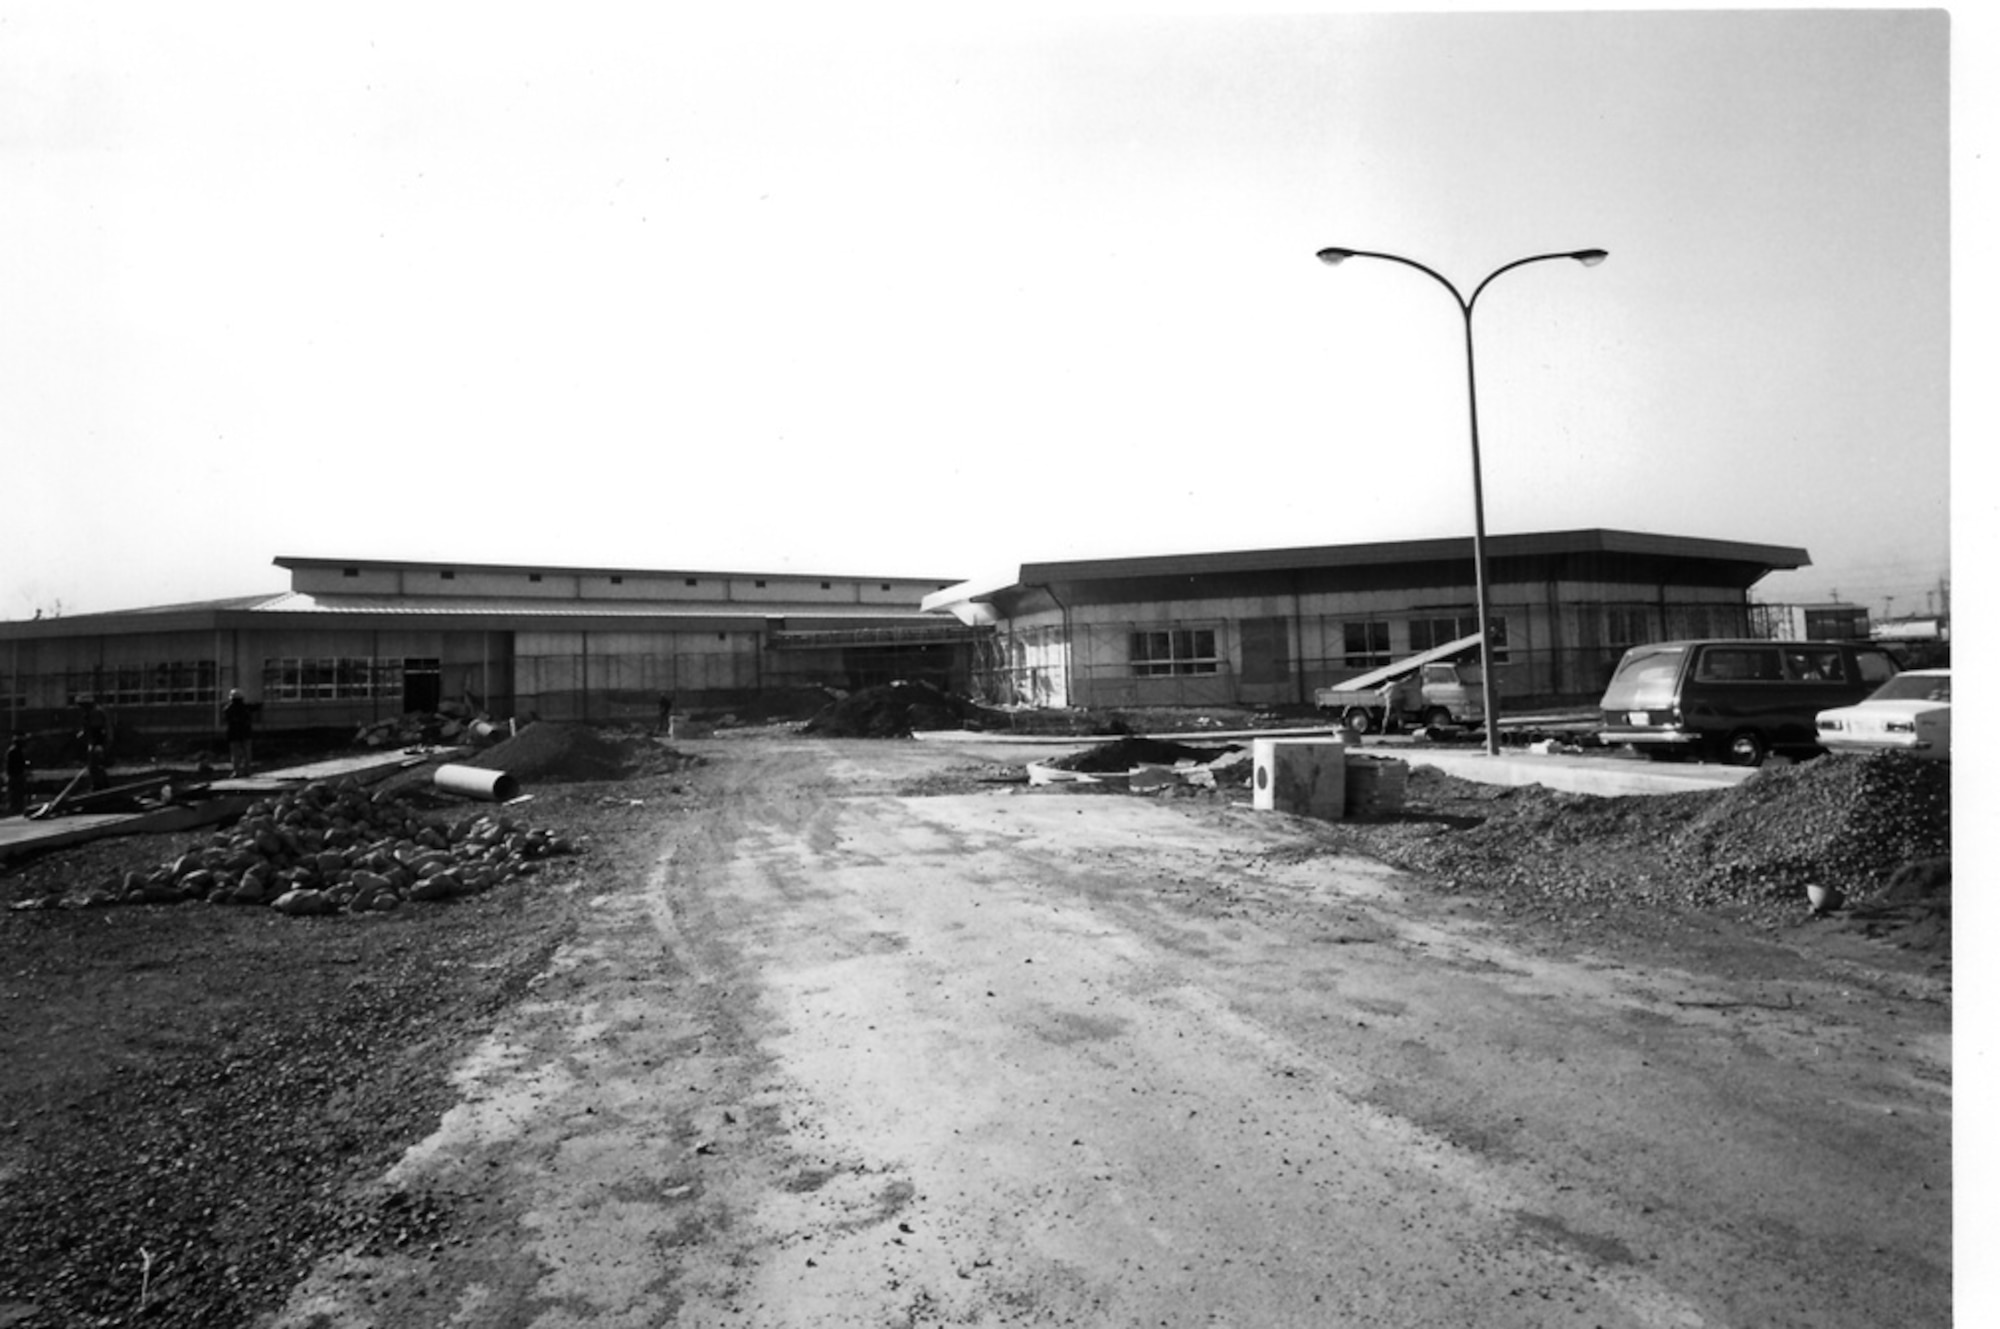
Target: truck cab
column 1450, row 695
column 1435, row 695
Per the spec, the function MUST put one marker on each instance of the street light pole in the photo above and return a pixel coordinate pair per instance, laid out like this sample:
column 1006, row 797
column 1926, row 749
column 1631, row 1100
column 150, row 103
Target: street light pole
column 1587, row 257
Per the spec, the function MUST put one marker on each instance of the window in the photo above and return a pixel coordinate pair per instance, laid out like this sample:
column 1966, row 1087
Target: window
column 761, row 583
column 335, row 678
column 694, row 581
column 1877, row 667
column 446, row 574
column 1428, row 634
column 163, row 683
column 350, row 572
column 1175, row 651
column 1739, row 664
column 617, row 581
column 534, row 577
column 1364, row 644
column 826, row 586
column 1814, row 664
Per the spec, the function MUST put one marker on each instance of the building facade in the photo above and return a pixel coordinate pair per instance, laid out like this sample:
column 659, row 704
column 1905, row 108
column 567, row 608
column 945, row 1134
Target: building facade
column 355, row 641
column 1268, row 627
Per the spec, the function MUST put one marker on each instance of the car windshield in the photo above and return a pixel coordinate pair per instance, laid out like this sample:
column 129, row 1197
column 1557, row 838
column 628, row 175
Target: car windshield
column 1914, row 687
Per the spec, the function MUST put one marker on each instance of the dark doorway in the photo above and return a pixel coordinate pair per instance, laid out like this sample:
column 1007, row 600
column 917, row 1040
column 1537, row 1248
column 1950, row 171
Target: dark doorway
column 422, row 685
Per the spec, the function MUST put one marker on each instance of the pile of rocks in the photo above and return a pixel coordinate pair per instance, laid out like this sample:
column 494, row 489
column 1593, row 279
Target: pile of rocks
column 335, row 847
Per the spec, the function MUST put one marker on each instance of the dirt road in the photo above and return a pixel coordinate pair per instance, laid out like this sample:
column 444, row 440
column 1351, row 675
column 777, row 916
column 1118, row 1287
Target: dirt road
column 863, row 1046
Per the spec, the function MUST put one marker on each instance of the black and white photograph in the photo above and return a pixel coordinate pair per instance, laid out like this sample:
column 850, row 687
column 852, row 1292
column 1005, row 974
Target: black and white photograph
column 1105, row 665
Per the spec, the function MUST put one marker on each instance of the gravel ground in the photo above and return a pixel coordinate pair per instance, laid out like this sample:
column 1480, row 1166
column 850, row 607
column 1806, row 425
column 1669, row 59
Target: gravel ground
column 197, row 1097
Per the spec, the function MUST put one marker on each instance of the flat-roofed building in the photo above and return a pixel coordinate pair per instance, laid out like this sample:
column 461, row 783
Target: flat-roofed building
column 356, row 640
column 1267, row 627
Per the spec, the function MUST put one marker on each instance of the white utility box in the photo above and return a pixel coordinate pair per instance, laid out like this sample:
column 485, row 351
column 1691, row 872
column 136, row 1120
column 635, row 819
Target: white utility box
column 1306, row 777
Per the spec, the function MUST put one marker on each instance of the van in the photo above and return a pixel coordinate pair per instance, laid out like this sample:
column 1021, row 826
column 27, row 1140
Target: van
column 1735, row 701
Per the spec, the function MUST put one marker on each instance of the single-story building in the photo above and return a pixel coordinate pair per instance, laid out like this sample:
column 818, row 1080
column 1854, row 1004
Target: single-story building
column 1267, row 627
column 357, row 640
column 354, row 641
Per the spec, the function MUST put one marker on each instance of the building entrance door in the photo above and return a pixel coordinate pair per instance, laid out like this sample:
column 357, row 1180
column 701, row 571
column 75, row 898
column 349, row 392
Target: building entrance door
column 422, row 686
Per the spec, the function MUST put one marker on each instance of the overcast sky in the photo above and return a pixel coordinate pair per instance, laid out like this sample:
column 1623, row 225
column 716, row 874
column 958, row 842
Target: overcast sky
column 587, row 285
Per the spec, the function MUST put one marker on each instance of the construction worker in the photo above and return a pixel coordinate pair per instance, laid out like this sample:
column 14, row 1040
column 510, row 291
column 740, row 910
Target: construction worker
column 1395, row 697
column 236, row 728
column 96, row 746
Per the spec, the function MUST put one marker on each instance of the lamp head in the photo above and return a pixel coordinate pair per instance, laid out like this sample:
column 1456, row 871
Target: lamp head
column 1590, row 258
column 1333, row 256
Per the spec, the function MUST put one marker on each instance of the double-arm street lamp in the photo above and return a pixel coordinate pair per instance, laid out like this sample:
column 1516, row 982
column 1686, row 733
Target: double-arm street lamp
column 1587, row 257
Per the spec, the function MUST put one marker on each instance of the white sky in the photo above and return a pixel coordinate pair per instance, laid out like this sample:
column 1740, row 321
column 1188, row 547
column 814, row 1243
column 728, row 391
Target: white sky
column 588, row 285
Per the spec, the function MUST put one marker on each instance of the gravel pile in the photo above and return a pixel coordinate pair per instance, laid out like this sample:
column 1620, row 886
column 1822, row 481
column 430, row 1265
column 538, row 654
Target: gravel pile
column 1877, row 828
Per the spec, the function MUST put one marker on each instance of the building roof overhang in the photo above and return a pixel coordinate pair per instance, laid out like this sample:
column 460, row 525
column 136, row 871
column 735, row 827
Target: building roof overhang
column 1751, row 560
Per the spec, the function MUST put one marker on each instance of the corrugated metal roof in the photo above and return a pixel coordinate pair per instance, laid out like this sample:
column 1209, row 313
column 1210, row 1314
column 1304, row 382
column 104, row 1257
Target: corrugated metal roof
column 428, row 606
column 1593, row 541
column 294, row 562
column 237, row 602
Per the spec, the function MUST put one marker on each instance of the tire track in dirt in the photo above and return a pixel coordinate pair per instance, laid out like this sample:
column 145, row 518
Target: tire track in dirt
column 848, row 1058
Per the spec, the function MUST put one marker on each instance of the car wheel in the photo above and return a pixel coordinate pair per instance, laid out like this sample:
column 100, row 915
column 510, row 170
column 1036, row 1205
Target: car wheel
column 1360, row 721
column 1437, row 717
column 1746, row 747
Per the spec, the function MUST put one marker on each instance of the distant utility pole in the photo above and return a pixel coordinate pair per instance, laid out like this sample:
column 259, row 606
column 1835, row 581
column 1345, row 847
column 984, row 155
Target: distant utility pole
column 1888, row 603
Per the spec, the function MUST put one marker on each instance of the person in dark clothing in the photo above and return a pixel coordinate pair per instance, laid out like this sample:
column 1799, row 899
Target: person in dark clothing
column 236, row 728
column 96, row 746
column 666, row 714
column 17, row 774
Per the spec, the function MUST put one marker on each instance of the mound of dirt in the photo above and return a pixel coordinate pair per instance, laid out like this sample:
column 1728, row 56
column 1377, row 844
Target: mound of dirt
column 1849, row 822
column 1877, row 827
column 553, row 753
column 1126, row 753
column 893, row 710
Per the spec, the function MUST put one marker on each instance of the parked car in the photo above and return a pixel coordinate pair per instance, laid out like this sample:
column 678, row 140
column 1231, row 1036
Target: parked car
column 1910, row 713
column 1735, row 700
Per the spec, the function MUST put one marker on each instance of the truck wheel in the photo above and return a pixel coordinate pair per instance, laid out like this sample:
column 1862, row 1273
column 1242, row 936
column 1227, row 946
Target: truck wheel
column 1746, row 747
column 1360, row 721
column 1437, row 717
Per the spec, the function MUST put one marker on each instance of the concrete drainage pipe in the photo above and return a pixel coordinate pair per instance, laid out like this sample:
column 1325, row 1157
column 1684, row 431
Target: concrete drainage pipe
column 472, row 782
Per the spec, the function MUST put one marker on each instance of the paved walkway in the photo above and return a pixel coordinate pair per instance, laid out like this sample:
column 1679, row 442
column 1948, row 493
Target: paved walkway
column 1600, row 772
